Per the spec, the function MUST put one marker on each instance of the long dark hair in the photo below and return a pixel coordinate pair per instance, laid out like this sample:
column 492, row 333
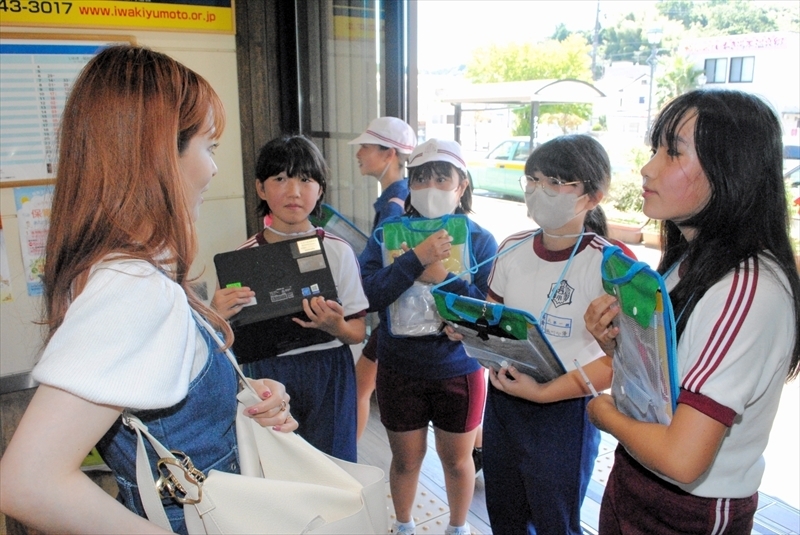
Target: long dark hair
column 574, row 158
column 738, row 141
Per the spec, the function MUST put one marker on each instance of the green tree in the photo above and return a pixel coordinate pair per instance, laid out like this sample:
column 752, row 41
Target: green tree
column 680, row 10
column 625, row 41
column 727, row 17
column 561, row 32
column 552, row 59
column 679, row 77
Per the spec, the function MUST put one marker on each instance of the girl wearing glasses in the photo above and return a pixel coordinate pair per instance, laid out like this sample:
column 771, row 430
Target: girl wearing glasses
column 715, row 181
column 539, row 446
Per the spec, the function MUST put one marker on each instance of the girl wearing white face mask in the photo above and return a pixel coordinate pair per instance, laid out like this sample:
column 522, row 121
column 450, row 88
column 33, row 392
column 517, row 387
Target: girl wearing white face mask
column 430, row 378
column 539, row 447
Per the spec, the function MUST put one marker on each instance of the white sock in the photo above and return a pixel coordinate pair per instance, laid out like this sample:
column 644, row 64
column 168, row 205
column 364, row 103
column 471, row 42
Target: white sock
column 465, row 526
column 409, row 524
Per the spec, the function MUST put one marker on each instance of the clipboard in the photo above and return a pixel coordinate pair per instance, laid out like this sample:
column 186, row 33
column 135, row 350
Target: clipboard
column 281, row 274
column 645, row 381
column 335, row 223
column 498, row 336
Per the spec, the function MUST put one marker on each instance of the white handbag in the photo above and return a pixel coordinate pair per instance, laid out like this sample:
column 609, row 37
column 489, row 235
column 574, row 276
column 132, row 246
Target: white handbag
column 286, row 485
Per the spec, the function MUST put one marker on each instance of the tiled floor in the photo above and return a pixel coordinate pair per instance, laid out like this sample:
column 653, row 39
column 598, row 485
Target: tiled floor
column 431, row 513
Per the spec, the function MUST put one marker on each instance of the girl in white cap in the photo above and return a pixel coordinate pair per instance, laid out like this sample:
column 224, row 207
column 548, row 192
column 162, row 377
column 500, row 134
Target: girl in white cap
column 423, row 379
column 385, row 146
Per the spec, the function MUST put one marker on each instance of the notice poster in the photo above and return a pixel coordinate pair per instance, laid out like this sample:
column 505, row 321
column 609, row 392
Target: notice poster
column 37, row 76
column 33, row 214
column 5, row 273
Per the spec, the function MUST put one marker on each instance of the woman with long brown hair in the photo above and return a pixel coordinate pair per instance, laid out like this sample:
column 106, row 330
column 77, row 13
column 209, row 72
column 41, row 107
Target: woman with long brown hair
column 124, row 325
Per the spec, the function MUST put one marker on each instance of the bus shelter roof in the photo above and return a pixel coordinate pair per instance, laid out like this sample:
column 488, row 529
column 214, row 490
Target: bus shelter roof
column 550, row 91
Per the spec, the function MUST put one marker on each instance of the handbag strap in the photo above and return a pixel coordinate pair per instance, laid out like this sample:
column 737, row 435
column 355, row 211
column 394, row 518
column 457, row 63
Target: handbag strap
column 151, row 499
column 242, row 378
column 635, row 267
column 178, row 468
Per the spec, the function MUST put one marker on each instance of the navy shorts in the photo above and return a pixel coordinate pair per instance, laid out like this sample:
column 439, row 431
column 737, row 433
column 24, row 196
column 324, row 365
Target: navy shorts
column 408, row 403
column 323, row 389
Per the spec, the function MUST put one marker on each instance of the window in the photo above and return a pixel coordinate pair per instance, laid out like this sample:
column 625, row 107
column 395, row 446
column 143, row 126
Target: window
column 502, row 152
column 742, row 69
column 523, row 151
column 716, row 70
column 641, row 100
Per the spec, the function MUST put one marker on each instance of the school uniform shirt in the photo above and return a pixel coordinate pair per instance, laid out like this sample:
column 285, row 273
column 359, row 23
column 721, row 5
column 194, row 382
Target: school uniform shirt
column 524, row 277
column 385, row 207
column 346, row 276
column 431, row 356
column 733, row 357
column 127, row 340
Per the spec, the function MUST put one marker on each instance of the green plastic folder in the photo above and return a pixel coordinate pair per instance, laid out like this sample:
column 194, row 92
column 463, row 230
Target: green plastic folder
column 337, row 224
column 645, row 382
column 414, row 312
column 499, row 336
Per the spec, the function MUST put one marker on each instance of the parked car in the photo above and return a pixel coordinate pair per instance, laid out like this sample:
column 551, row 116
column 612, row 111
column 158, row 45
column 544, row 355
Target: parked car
column 500, row 170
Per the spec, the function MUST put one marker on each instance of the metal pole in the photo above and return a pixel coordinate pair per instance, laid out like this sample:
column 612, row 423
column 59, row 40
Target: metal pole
column 595, row 42
column 457, row 124
column 652, row 61
column 534, row 124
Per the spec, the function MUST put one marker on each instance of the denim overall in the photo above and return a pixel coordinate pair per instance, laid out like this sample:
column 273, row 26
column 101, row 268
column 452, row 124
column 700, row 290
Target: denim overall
column 202, row 425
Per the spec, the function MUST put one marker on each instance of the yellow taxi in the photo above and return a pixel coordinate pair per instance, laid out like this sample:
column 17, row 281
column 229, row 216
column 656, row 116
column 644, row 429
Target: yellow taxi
column 500, row 170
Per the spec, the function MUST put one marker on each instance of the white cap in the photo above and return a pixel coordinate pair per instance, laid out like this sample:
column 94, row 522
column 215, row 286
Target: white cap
column 438, row 150
column 389, row 132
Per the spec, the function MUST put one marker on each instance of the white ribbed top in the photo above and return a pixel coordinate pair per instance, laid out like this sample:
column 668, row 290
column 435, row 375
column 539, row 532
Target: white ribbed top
column 127, row 340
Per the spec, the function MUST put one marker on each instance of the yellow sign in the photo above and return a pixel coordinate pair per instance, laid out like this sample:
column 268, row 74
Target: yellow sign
column 187, row 15
column 353, row 28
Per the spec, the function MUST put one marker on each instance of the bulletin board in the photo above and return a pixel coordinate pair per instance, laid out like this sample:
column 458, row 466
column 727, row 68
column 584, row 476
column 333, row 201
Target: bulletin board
column 37, row 72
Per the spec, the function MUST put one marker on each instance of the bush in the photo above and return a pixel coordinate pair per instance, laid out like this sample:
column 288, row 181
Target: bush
column 626, row 194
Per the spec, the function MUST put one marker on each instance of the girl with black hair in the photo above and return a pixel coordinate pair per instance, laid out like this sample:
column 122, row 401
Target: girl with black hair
column 423, row 379
column 291, row 176
column 715, row 182
column 539, row 446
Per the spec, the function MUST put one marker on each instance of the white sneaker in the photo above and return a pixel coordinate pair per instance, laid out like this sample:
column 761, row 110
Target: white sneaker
column 462, row 530
column 404, row 530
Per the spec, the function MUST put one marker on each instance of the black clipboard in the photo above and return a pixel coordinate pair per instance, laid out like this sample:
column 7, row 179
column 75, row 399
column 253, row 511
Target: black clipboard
column 281, row 274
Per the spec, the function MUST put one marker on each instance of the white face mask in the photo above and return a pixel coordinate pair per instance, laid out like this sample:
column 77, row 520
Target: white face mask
column 433, row 202
column 551, row 213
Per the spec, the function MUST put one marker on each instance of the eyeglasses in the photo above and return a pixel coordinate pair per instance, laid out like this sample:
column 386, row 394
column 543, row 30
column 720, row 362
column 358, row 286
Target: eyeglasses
column 551, row 185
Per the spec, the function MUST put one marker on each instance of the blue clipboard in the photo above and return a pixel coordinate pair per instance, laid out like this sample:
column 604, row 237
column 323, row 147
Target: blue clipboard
column 337, row 224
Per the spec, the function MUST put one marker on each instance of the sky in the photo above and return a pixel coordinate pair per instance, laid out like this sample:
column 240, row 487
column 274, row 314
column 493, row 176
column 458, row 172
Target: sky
column 450, row 30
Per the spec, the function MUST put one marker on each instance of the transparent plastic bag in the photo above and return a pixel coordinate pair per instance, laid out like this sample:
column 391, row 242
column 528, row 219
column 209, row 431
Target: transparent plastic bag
column 645, row 384
column 414, row 312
